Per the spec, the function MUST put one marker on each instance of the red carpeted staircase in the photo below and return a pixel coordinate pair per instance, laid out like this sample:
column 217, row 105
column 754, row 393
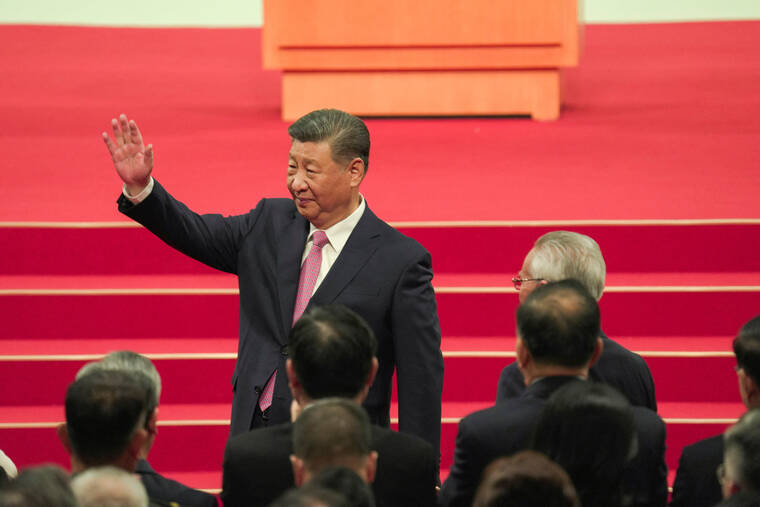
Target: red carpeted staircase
column 72, row 294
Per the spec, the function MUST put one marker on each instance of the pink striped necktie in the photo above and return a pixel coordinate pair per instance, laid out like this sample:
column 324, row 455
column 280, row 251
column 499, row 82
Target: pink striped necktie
column 306, row 283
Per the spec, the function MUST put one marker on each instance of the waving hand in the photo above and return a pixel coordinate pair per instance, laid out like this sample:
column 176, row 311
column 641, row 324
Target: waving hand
column 132, row 160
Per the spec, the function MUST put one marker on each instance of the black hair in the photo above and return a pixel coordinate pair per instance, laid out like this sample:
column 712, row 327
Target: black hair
column 559, row 323
column 331, row 348
column 747, row 349
column 103, row 410
column 588, row 429
column 346, row 482
column 346, row 134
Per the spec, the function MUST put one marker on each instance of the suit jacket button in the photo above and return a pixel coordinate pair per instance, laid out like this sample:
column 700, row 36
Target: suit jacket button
column 258, row 389
column 285, row 350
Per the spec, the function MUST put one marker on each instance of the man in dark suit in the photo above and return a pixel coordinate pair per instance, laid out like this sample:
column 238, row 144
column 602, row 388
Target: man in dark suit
column 157, row 486
column 696, row 483
column 332, row 355
column 344, row 254
column 557, row 341
column 559, row 255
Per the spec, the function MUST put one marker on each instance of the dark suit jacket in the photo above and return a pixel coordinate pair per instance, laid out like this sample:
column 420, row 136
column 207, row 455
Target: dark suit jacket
column 508, row 427
column 696, row 483
column 617, row 366
column 381, row 274
column 167, row 490
column 257, row 468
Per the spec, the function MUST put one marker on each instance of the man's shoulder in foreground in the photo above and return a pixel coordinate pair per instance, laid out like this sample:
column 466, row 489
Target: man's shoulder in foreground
column 696, row 483
column 256, row 468
column 407, row 469
column 168, row 490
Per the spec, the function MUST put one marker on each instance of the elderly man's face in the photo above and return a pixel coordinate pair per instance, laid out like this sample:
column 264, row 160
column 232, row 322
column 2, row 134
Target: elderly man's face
column 527, row 287
column 322, row 189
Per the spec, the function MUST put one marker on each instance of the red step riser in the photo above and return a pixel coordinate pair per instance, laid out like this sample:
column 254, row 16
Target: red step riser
column 31, row 446
column 643, row 248
column 116, row 316
column 466, row 379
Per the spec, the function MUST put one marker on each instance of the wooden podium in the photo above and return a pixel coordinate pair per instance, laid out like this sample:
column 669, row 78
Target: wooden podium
column 421, row 57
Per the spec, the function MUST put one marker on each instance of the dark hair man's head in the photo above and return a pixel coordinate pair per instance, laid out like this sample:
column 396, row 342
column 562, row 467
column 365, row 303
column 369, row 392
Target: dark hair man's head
column 741, row 455
column 527, row 479
column 588, row 429
column 558, row 329
column 133, row 364
column 347, row 483
column 332, row 432
column 747, row 351
column 346, row 134
column 106, row 411
column 41, row 486
column 332, row 354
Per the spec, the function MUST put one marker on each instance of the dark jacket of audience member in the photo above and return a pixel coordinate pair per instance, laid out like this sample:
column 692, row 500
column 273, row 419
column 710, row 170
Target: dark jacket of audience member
column 332, row 354
column 526, row 479
column 696, row 484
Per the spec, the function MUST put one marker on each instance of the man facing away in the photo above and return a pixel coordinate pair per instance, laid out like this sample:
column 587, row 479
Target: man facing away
column 107, row 415
column 559, row 255
column 696, row 484
column 558, row 338
column 156, row 485
column 322, row 246
column 332, row 355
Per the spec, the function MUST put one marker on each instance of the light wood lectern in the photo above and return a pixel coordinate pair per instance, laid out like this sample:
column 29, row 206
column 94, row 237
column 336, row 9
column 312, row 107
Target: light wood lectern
column 421, row 57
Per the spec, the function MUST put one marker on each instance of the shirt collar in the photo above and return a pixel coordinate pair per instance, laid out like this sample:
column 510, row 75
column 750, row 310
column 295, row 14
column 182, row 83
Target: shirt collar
column 338, row 234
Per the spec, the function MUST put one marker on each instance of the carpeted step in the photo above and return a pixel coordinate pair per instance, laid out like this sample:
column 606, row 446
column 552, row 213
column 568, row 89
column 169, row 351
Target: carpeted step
column 628, row 247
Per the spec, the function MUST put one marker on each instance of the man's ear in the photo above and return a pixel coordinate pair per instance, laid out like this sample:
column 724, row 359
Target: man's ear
column 137, row 443
column 63, row 436
column 371, row 467
column 298, row 470
column 372, row 374
column 357, row 169
column 295, row 385
column 152, row 424
column 524, row 359
column 598, row 349
column 751, row 390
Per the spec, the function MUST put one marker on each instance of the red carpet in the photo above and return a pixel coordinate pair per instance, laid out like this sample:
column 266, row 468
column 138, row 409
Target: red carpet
column 661, row 122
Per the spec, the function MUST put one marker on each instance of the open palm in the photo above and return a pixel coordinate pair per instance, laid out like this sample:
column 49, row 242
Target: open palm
column 131, row 159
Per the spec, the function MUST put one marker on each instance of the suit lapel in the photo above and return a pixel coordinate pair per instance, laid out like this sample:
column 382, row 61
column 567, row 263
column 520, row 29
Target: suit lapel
column 289, row 252
column 363, row 242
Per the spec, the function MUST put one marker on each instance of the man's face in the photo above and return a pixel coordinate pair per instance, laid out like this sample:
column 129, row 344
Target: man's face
column 527, row 287
column 322, row 189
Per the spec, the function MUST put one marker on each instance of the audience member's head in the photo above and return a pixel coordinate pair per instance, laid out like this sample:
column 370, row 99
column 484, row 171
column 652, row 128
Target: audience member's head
column 347, row 483
column 559, row 255
column 332, row 432
column 741, row 455
column 527, row 479
column 588, row 429
column 7, row 466
column 42, row 486
column 747, row 351
column 332, row 354
column 106, row 414
column 310, row 496
column 134, row 364
column 108, row 487
column 558, row 331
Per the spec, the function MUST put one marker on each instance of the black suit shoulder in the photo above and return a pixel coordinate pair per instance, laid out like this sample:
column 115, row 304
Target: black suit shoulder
column 407, row 469
column 696, row 483
column 256, row 468
column 167, row 490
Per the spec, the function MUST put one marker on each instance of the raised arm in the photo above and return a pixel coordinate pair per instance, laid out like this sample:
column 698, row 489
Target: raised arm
column 132, row 160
